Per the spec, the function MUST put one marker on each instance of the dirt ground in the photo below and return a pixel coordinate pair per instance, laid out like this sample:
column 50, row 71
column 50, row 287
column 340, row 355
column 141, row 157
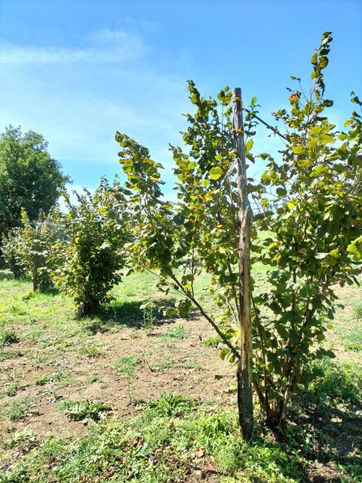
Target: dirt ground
column 166, row 365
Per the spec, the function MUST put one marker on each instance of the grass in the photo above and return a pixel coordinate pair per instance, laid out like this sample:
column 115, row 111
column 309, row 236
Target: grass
column 8, row 337
column 18, row 408
column 69, row 370
column 179, row 333
column 91, row 351
column 176, row 439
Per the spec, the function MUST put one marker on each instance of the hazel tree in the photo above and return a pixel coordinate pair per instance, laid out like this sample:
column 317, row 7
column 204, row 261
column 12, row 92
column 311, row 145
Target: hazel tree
column 93, row 246
column 310, row 200
column 28, row 249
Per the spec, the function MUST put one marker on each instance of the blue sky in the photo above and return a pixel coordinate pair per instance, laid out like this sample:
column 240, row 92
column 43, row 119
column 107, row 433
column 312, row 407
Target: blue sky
column 77, row 71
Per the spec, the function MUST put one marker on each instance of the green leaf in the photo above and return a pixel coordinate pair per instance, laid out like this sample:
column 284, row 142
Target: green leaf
column 335, row 253
column 249, row 145
column 216, row 172
column 323, row 62
column 318, row 171
column 314, row 59
column 304, row 163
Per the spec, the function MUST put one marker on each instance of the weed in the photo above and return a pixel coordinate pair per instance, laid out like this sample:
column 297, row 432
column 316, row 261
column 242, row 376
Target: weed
column 18, row 409
column 53, row 377
column 178, row 333
column 127, row 365
column 34, row 335
column 149, row 318
column 10, row 390
column 161, row 366
column 86, row 410
column 353, row 346
column 8, row 337
column 357, row 309
column 10, row 355
column 171, row 442
column 93, row 378
column 91, row 351
column 21, row 439
column 171, row 405
column 192, row 364
column 212, row 342
column 333, row 382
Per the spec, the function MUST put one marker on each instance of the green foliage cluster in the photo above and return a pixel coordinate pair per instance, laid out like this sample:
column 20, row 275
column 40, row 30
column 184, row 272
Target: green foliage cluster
column 18, row 408
column 95, row 235
column 29, row 178
column 314, row 213
column 86, row 410
column 309, row 199
column 8, row 337
column 28, row 250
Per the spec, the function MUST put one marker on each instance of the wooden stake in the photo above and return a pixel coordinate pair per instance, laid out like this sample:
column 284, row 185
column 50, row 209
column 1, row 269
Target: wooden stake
column 244, row 374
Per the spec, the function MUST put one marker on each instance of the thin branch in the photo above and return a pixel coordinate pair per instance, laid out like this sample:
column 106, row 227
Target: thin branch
column 207, row 317
column 267, row 125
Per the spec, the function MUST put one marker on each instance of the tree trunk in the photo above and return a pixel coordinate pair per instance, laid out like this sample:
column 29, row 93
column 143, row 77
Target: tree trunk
column 244, row 374
column 35, row 272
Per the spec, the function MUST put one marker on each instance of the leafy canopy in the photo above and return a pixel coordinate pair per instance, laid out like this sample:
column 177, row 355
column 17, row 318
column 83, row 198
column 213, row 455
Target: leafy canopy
column 92, row 250
column 29, row 177
column 309, row 200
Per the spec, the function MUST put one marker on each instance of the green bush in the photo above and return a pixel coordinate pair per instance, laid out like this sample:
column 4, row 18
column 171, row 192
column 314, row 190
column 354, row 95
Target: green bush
column 28, row 250
column 93, row 250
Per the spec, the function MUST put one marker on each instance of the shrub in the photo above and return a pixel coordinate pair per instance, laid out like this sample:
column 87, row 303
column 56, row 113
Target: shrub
column 28, row 250
column 93, row 250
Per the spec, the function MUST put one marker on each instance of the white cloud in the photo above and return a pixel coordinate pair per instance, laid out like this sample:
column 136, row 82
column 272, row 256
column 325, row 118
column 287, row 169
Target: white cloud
column 110, row 46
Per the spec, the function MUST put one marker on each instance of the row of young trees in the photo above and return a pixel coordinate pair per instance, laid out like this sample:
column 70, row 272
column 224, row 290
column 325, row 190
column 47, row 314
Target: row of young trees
column 80, row 251
column 310, row 202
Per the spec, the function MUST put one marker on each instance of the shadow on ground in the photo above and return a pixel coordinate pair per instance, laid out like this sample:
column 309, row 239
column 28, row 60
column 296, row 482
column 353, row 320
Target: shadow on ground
column 6, row 275
column 326, row 424
column 132, row 314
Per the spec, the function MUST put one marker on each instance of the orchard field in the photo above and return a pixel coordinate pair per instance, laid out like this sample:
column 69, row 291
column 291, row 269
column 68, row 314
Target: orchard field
column 131, row 396
column 213, row 338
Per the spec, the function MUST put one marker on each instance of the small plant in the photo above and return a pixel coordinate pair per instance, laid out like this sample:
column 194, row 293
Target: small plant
column 18, row 409
column 127, row 365
column 149, row 318
column 86, row 410
column 91, row 351
column 358, row 311
column 212, row 342
column 161, row 366
column 63, row 377
column 172, row 405
column 10, row 390
column 8, row 337
column 177, row 333
column 93, row 378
